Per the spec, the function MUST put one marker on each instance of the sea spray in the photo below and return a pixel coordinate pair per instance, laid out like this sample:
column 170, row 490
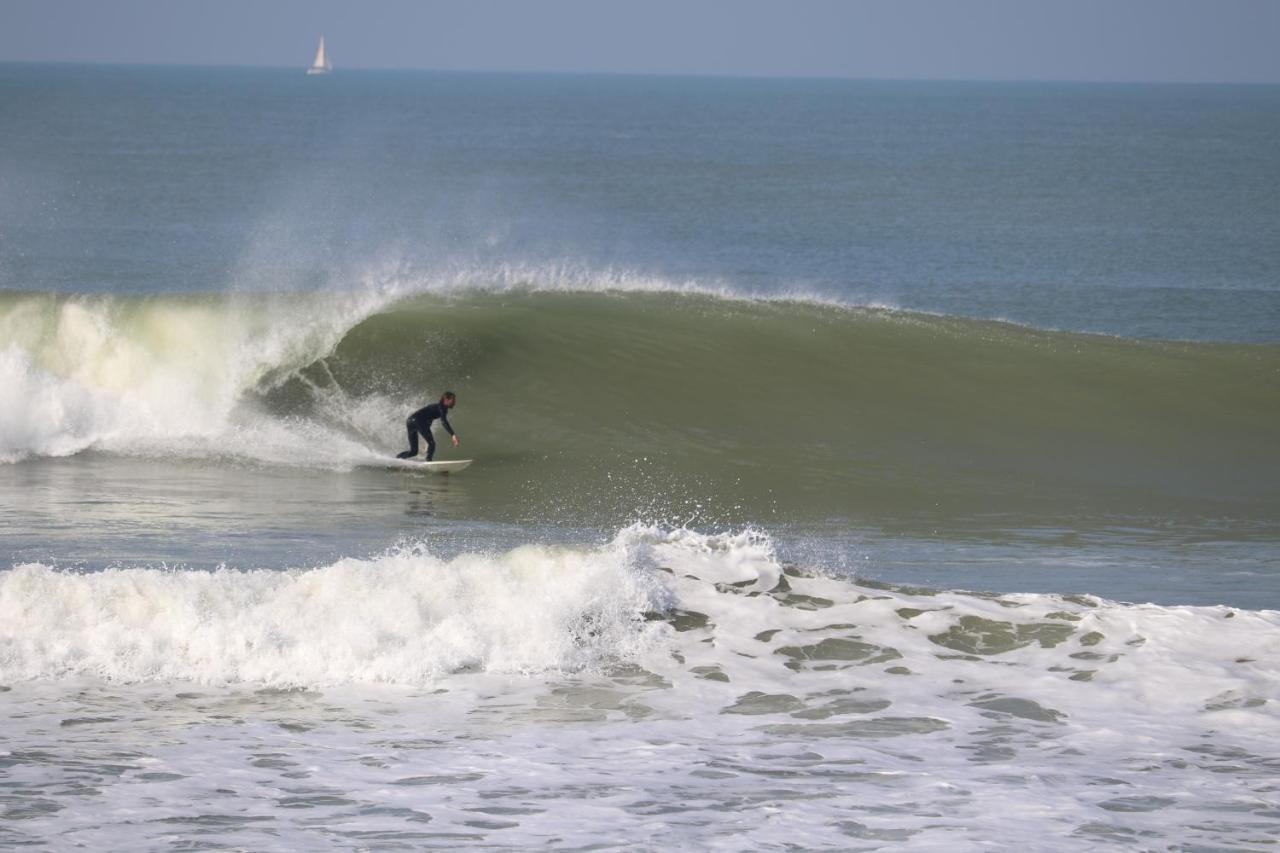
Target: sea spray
column 136, row 374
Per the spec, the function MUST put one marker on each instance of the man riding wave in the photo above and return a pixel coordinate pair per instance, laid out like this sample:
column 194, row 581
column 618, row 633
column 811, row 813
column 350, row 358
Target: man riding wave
column 419, row 423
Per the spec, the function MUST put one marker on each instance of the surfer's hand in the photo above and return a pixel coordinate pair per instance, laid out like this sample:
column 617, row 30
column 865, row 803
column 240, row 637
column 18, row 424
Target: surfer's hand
column 455, row 441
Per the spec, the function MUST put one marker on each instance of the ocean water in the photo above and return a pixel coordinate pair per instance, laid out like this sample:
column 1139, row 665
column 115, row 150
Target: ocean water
column 858, row 465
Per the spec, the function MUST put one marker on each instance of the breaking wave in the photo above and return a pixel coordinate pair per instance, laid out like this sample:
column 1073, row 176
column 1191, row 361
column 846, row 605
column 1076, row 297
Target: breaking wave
column 784, row 403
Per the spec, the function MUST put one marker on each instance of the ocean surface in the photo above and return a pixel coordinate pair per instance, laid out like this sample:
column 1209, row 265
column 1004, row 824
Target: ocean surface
column 859, row 465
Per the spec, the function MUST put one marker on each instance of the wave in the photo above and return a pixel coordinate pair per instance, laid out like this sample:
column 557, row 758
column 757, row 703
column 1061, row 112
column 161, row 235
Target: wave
column 404, row 617
column 792, row 405
column 688, row 606
column 696, row 662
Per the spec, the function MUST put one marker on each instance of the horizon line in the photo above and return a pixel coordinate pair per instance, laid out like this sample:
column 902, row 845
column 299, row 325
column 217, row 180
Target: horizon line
column 301, row 68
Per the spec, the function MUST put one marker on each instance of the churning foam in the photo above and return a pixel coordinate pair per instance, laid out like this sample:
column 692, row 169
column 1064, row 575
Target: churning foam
column 686, row 686
column 409, row 617
column 405, row 617
column 156, row 375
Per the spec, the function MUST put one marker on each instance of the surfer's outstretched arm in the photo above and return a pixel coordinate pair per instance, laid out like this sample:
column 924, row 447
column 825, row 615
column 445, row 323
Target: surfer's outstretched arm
column 444, row 419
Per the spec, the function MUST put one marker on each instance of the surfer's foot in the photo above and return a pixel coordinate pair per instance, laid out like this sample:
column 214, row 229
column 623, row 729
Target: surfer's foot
column 405, row 455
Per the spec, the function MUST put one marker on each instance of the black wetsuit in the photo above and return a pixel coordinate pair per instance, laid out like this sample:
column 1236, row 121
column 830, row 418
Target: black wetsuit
column 420, row 422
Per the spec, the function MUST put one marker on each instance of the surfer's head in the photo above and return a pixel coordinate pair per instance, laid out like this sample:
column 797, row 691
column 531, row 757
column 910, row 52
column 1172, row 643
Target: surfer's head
column 449, row 400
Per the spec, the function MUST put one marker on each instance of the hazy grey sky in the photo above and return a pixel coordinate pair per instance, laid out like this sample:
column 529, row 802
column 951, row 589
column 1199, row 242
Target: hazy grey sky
column 1163, row 40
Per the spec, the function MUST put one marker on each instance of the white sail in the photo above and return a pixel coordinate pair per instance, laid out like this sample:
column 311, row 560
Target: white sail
column 321, row 65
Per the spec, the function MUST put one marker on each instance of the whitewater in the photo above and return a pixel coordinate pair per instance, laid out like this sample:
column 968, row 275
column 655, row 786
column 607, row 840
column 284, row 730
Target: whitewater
column 858, row 465
column 666, row 687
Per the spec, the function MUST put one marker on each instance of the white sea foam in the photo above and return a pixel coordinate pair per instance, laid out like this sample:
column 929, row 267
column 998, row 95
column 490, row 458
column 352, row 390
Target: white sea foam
column 531, row 697
column 408, row 617
column 404, row 618
column 162, row 375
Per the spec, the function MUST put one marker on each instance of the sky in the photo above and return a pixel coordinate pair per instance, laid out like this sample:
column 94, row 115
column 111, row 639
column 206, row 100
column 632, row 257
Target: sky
column 1085, row 40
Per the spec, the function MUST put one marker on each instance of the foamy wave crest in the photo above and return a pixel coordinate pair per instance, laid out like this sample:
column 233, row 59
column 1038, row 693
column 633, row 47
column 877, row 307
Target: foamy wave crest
column 686, row 605
column 405, row 617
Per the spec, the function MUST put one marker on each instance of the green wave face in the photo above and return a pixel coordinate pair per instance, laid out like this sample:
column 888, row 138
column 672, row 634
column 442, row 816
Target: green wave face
column 586, row 406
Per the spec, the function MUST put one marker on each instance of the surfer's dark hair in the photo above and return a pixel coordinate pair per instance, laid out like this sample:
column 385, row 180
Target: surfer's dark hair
column 449, row 395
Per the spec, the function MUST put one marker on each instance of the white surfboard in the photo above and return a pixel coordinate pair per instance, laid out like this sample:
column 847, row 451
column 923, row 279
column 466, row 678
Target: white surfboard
column 444, row 467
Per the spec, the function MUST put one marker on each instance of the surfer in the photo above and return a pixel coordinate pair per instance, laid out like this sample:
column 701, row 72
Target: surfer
column 421, row 420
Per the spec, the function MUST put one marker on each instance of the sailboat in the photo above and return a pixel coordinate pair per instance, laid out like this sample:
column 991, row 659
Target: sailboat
column 321, row 65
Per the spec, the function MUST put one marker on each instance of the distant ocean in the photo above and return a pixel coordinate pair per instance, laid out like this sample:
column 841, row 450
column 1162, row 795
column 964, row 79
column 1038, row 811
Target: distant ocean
column 859, row 465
